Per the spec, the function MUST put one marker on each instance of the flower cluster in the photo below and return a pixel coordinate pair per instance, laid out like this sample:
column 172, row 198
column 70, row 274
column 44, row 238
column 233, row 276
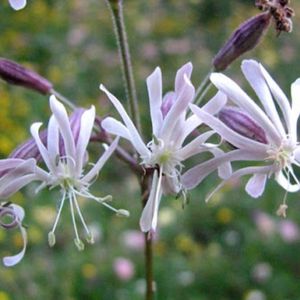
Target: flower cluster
column 263, row 135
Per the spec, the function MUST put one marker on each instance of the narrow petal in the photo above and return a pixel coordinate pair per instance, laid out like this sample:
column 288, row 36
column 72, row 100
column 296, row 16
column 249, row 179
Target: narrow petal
column 185, row 70
column 295, row 93
column 86, row 127
column 62, row 119
column 34, row 129
column 101, row 161
column 179, row 107
column 279, row 96
column 284, row 183
column 256, row 185
column 52, row 140
column 154, row 85
column 136, row 139
column 213, row 106
column 15, row 184
column 195, row 146
column 17, row 4
column 240, row 98
column 10, row 163
column 240, row 173
column 115, row 127
column 10, row 261
column 148, row 219
column 228, row 134
column 253, row 73
column 198, row 173
column 224, row 170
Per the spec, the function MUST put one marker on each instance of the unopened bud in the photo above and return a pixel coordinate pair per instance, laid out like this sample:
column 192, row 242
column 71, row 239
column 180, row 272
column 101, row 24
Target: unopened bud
column 168, row 102
column 14, row 73
column 242, row 123
column 243, row 39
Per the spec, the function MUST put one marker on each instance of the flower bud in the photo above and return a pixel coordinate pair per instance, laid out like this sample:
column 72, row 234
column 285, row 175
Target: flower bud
column 243, row 39
column 14, row 73
column 242, row 123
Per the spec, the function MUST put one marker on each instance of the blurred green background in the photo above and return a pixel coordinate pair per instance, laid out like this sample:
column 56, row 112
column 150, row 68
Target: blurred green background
column 233, row 248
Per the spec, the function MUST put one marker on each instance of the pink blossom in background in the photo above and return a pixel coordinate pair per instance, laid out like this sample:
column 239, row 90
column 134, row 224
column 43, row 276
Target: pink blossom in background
column 289, row 231
column 123, row 268
column 264, row 223
column 133, row 240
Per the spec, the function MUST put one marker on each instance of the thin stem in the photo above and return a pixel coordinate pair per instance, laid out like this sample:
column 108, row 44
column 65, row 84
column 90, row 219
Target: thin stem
column 149, row 294
column 116, row 9
column 204, row 92
column 202, row 85
column 63, row 99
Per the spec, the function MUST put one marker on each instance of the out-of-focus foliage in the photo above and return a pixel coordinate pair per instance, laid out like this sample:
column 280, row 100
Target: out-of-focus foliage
column 233, row 248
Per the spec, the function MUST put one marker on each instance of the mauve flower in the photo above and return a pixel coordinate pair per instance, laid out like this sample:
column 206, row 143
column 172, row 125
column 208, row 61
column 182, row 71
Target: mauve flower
column 170, row 128
column 65, row 158
column 276, row 153
column 289, row 231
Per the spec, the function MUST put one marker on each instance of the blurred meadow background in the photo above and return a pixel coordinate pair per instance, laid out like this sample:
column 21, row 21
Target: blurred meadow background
column 233, row 248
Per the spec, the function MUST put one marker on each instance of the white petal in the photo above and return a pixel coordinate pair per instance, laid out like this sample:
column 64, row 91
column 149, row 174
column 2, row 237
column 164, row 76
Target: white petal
column 279, row 96
column 62, row 119
column 253, row 73
column 10, row 163
column 240, row 173
column 295, row 93
column 179, row 79
column 240, row 98
column 34, row 129
column 148, row 221
column 136, row 139
column 15, row 184
column 17, row 4
column 256, row 185
column 224, row 170
column 228, row 134
column 283, row 182
column 179, row 107
column 198, row 173
column 101, row 161
column 52, row 139
column 10, row 261
column 154, row 85
column 212, row 107
column 115, row 127
column 86, row 127
column 195, row 146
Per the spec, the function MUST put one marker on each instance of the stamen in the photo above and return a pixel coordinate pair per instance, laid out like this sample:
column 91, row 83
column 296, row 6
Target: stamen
column 51, row 235
column 79, row 244
column 90, row 237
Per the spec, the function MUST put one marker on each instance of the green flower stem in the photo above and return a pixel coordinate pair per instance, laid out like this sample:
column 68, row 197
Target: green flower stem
column 63, row 99
column 116, row 9
column 202, row 89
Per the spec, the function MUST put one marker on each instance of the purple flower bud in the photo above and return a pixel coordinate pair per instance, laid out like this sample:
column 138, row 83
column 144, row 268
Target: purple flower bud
column 14, row 73
column 243, row 39
column 168, row 101
column 242, row 123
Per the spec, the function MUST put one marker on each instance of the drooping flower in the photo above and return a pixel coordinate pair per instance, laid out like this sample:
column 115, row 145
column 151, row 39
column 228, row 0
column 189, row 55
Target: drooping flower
column 11, row 216
column 170, row 127
column 274, row 141
column 17, row 4
column 65, row 157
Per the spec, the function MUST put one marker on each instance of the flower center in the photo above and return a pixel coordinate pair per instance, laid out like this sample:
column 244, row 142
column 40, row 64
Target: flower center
column 283, row 155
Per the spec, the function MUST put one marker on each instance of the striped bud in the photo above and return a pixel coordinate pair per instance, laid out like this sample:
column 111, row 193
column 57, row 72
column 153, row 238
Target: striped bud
column 243, row 39
column 242, row 123
column 16, row 74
